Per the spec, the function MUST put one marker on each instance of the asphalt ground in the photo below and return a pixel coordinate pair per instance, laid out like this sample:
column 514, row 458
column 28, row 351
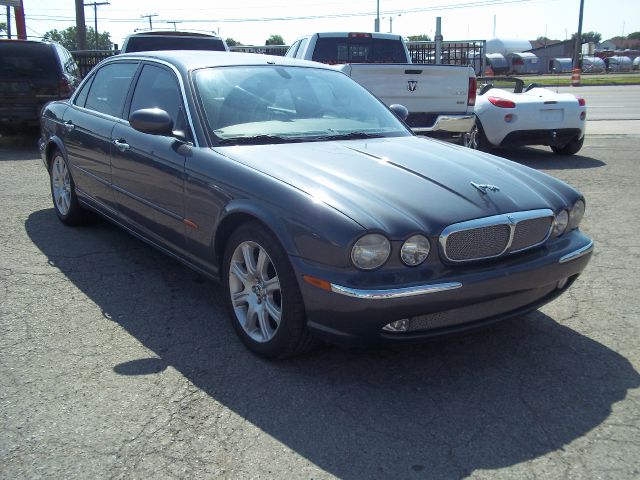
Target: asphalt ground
column 117, row 362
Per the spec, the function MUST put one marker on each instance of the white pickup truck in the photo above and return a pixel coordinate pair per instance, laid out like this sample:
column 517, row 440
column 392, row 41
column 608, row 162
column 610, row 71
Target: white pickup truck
column 440, row 98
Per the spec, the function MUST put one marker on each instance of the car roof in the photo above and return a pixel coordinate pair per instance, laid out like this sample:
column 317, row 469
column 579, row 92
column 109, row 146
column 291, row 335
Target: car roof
column 15, row 41
column 187, row 60
column 172, row 33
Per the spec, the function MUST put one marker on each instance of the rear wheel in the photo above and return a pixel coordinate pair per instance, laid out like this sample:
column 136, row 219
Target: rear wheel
column 263, row 298
column 570, row 148
column 63, row 192
column 476, row 139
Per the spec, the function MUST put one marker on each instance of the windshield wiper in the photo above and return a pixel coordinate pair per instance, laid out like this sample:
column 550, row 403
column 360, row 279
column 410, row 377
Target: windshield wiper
column 256, row 140
column 348, row 136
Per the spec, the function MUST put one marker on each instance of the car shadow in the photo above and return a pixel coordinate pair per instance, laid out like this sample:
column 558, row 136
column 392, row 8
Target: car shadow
column 544, row 159
column 496, row 398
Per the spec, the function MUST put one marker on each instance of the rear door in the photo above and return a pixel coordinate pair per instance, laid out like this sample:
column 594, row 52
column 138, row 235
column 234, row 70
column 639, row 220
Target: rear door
column 88, row 125
column 148, row 170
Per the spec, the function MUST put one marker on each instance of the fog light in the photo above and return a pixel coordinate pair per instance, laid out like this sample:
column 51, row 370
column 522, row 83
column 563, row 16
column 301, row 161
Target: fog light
column 397, row 326
column 562, row 283
column 508, row 118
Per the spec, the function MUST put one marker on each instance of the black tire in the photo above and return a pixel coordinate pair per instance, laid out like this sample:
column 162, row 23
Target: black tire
column 63, row 192
column 476, row 139
column 570, row 148
column 256, row 294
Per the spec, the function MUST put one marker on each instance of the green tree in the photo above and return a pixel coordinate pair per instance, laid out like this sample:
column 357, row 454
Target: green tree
column 587, row 37
column 232, row 43
column 634, row 36
column 67, row 38
column 275, row 40
column 3, row 27
column 423, row 37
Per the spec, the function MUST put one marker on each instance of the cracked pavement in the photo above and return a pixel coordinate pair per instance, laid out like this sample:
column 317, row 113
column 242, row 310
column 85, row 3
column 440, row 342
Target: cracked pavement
column 117, row 362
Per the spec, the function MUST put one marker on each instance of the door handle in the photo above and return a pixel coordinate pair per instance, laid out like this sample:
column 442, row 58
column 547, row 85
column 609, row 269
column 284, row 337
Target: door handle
column 69, row 126
column 121, row 145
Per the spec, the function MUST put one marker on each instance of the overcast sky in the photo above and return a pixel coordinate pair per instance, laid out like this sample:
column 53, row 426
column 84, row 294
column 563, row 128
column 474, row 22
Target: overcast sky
column 252, row 21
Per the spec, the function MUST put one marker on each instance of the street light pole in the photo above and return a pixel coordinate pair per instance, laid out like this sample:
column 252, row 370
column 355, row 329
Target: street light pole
column 377, row 22
column 391, row 22
column 95, row 18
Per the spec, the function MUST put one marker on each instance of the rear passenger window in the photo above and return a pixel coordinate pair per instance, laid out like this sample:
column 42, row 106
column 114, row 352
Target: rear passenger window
column 109, row 88
column 81, row 98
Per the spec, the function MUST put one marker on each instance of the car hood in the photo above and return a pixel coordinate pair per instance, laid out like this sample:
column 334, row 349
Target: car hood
column 407, row 184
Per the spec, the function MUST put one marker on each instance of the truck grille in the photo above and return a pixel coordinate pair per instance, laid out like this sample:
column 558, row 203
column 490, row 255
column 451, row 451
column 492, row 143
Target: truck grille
column 495, row 236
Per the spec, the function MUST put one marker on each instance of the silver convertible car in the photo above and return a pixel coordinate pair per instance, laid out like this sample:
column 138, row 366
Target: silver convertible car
column 319, row 211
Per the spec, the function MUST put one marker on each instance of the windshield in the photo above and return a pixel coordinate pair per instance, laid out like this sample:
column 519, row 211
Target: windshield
column 276, row 104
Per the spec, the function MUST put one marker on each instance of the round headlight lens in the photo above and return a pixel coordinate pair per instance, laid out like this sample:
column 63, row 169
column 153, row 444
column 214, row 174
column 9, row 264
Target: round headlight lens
column 560, row 223
column 415, row 250
column 371, row 251
column 575, row 214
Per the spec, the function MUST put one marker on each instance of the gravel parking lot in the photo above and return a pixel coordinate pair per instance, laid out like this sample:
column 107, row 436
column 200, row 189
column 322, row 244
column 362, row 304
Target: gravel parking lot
column 117, row 362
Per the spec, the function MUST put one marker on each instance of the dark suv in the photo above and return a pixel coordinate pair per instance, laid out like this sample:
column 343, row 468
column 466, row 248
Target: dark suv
column 32, row 74
column 154, row 40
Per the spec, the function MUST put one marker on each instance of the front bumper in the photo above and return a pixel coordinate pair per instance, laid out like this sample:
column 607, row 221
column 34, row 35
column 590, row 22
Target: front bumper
column 458, row 299
column 445, row 123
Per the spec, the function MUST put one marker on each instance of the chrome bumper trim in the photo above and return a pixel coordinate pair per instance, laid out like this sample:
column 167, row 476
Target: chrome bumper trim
column 395, row 292
column 449, row 123
column 577, row 253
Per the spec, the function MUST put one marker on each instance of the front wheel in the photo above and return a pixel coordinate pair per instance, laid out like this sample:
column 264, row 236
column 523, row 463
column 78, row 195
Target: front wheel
column 263, row 298
column 570, row 148
column 63, row 192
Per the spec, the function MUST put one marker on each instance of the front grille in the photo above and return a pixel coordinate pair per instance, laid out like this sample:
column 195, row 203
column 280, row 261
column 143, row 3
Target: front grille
column 479, row 311
column 492, row 237
column 530, row 232
column 478, row 242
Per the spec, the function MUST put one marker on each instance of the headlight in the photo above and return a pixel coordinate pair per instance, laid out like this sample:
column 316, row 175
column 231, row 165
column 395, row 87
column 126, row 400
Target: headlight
column 415, row 250
column 575, row 215
column 560, row 223
column 371, row 251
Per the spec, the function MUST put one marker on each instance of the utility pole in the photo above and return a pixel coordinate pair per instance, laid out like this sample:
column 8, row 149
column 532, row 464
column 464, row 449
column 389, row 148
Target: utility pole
column 578, row 45
column 149, row 17
column 81, row 28
column 95, row 17
column 377, row 22
column 174, row 24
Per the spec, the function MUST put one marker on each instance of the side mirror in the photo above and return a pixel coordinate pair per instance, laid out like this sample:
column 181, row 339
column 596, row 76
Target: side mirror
column 153, row 121
column 400, row 110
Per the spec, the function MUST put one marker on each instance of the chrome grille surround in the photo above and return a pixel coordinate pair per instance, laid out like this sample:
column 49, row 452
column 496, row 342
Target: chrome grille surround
column 506, row 233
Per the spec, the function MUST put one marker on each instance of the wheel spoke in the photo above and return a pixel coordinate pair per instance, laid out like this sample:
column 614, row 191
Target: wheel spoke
column 247, row 253
column 265, row 328
column 240, row 298
column 273, row 309
column 262, row 265
column 249, row 322
column 240, row 274
column 272, row 285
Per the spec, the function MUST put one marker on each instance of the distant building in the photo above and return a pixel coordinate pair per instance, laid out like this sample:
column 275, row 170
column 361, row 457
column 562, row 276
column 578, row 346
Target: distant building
column 547, row 54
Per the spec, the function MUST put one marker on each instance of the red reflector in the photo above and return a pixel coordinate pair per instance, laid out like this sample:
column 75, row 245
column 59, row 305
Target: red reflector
column 501, row 102
column 360, row 35
column 581, row 101
column 473, row 86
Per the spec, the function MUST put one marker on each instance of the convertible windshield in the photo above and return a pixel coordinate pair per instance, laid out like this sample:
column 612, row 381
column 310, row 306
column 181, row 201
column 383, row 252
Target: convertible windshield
column 276, row 104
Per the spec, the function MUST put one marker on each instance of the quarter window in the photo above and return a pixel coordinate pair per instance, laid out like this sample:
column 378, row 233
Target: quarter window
column 109, row 88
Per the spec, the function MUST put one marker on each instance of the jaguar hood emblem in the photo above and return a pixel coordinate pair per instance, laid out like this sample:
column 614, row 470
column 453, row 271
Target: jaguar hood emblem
column 485, row 187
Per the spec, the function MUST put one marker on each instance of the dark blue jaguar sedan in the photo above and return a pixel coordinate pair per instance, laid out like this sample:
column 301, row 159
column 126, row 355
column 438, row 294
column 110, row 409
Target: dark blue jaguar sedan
column 319, row 211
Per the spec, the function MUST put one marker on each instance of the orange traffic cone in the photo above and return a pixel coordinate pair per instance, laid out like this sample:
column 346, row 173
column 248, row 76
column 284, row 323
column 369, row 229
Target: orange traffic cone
column 575, row 77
